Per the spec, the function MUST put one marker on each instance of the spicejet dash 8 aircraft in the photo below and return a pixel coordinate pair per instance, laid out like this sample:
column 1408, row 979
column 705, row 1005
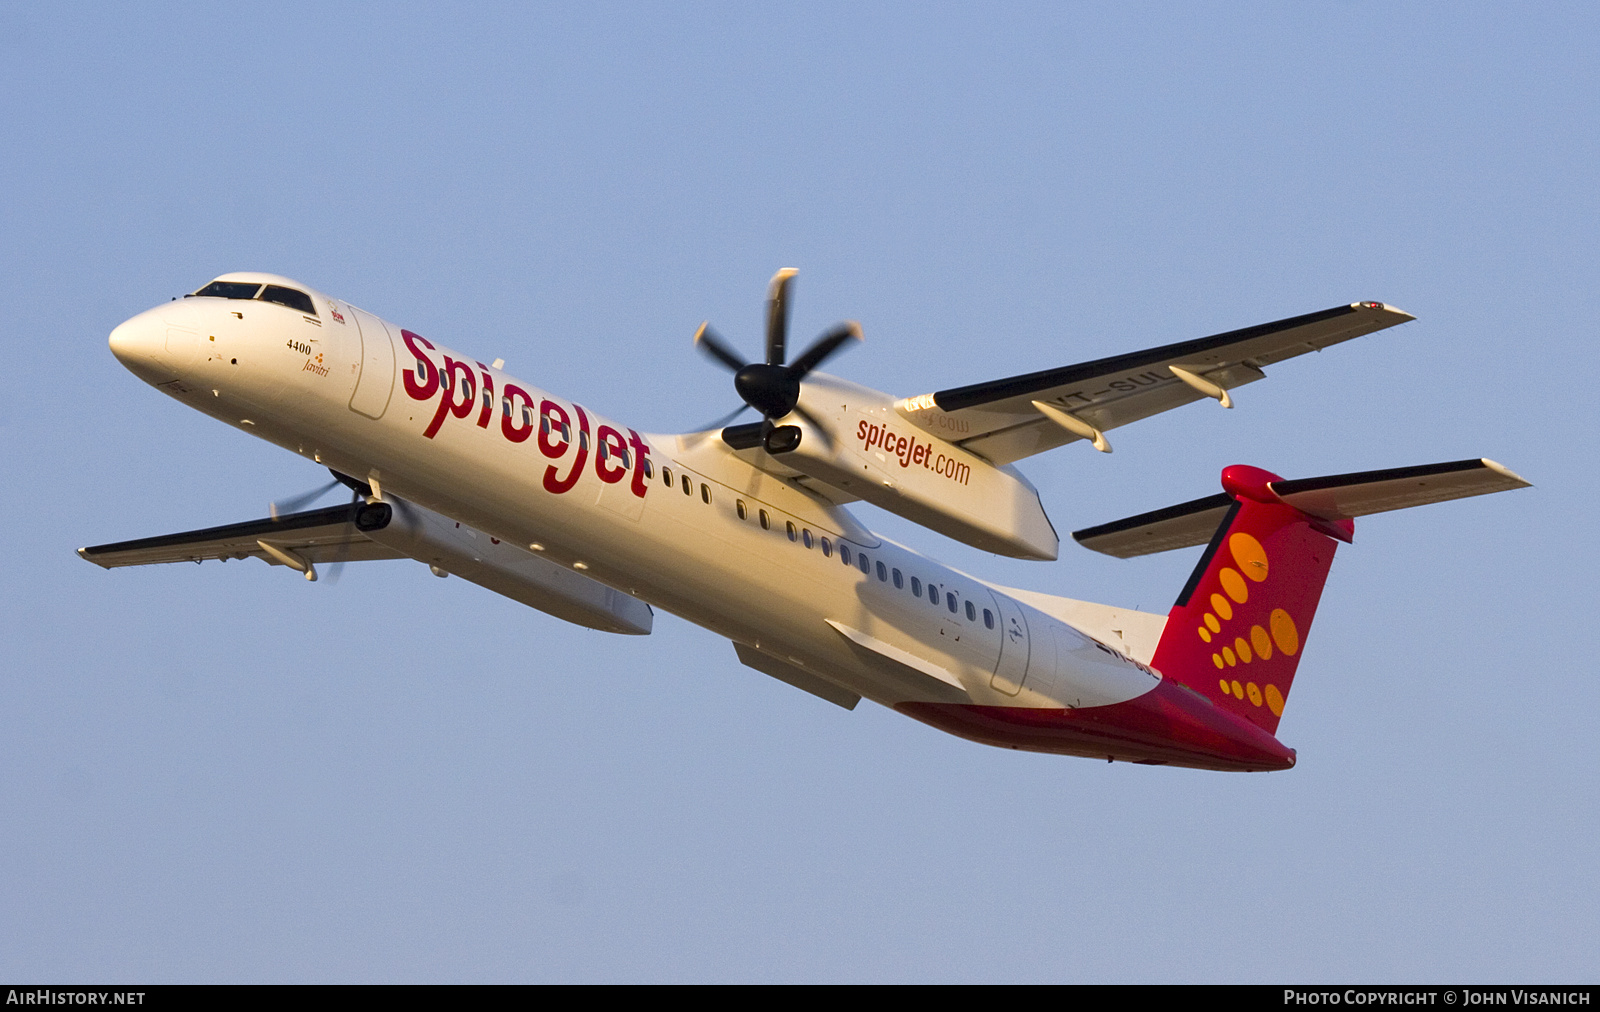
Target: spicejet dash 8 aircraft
column 744, row 531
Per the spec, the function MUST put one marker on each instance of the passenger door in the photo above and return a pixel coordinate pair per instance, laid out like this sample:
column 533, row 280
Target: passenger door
column 376, row 381
column 1011, row 670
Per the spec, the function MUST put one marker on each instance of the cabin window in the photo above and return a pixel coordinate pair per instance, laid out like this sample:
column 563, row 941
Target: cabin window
column 738, row 507
column 827, row 548
column 844, row 552
column 988, row 619
column 583, row 439
column 488, row 398
column 972, row 612
column 766, row 521
column 805, row 536
column 505, row 406
column 666, row 476
column 916, row 587
column 794, row 534
column 862, row 563
column 950, row 602
column 883, row 572
column 705, row 492
column 933, row 593
column 899, row 581
column 649, row 471
column 688, row 486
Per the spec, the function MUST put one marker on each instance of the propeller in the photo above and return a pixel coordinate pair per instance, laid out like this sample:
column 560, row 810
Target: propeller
column 277, row 509
column 772, row 387
column 358, row 490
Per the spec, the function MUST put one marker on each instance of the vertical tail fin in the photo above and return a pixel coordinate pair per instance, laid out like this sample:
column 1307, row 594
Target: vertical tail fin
column 1236, row 633
column 1237, row 629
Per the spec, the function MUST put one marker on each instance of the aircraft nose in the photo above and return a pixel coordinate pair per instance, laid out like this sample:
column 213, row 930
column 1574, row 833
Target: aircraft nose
column 140, row 344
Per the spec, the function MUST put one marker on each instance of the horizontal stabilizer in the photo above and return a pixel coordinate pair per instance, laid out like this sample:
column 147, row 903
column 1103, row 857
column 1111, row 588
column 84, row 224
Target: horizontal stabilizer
column 1346, row 496
column 1180, row 526
column 1333, row 497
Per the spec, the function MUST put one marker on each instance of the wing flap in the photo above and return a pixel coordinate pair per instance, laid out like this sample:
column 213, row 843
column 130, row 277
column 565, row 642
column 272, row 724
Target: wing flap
column 318, row 536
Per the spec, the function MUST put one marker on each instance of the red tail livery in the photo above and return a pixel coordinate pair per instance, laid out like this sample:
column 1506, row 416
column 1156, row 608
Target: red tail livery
column 1236, row 631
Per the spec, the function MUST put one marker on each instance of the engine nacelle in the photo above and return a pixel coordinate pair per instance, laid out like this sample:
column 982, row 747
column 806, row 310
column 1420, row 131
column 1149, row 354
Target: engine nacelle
column 450, row 547
column 874, row 454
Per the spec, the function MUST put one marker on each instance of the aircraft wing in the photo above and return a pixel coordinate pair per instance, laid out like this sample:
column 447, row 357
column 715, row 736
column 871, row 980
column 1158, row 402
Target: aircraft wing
column 394, row 529
column 1000, row 422
column 314, row 536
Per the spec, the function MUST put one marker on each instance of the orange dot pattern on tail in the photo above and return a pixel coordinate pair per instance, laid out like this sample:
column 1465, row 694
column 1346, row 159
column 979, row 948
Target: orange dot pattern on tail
column 1256, row 643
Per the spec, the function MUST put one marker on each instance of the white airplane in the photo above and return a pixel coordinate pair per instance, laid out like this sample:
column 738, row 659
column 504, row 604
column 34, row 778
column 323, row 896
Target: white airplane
column 460, row 466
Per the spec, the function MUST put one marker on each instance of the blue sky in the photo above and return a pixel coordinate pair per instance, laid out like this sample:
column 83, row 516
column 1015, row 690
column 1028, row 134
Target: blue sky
column 224, row 773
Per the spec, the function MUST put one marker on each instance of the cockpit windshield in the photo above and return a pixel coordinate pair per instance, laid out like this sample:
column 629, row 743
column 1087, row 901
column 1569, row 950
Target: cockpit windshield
column 289, row 297
column 296, row 300
column 231, row 289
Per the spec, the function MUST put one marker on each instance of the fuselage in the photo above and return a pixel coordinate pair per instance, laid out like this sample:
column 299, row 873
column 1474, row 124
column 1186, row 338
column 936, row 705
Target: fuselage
column 677, row 521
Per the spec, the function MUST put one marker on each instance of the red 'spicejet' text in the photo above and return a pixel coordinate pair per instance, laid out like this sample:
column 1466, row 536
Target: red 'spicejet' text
column 911, row 452
column 565, row 432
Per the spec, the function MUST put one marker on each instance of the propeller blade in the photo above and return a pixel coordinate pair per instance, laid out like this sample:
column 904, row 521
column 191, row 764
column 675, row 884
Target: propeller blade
column 825, row 347
column 816, row 424
column 725, row 419
column 292, row 505
column 771, row 387
column 337, row 565
column 693, row 439
column 711, row 345
column 778, row 314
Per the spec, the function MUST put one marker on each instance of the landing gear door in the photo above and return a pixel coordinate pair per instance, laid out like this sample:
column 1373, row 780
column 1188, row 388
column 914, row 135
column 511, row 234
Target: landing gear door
column 1011, row 670
column 376, row 381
